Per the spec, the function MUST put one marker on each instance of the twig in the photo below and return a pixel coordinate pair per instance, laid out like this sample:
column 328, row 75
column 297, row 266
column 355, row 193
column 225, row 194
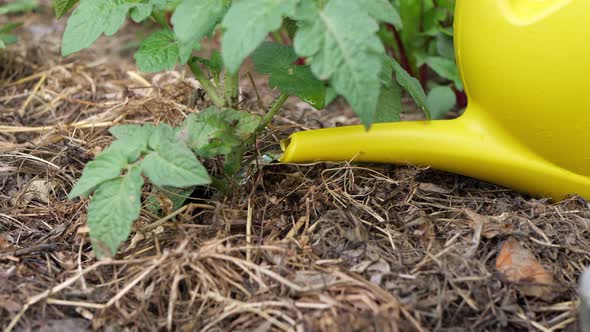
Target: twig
column 21, row 110
column 37, row 247
column 249, row 232
column 137, row 280
column 157, row 223
column 258, row 100
column 295, row 287
column 78, row 125
column 75, row 303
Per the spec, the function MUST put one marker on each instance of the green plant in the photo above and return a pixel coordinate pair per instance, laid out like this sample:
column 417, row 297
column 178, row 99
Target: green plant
column 12, row 8
column 424, row 46
column 322, row 48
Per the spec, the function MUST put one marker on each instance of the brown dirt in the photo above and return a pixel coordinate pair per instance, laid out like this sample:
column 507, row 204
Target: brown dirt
column 318, row 247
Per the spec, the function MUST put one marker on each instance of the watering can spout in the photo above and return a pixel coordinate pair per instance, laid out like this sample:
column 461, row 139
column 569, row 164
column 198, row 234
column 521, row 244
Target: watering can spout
column 401, row 142
column 526, row 124
column 461, row 146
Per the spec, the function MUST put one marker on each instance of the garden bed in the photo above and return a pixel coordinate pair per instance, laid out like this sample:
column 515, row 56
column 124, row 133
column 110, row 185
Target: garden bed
column 314, row 247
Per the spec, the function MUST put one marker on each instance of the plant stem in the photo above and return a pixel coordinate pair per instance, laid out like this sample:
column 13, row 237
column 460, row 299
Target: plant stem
column 222, row 185
column 273, row 109
column 206, row 84
column 403, row 54
column 231, row 91
column 276, row 35
column 160, row 17
column 229, row 184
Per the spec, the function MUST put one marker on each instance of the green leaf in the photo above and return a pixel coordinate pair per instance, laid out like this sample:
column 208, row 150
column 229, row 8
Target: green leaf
column 233, row 162
column 290, row 26
column 214, row 64
column 177, row 196
column 163, row 4
column 211, row 133
column 112, row 210
column 173, row 164
column 441, row 100
column 91, row 19
column 446, row 68
column 389, row 106
column 331, row 95
column 341, row 44
column 411, row 85
column 141, row 12
column 272, row 57
column 444, row 46
column 63, row 6
column 247, row 24
column 18, row 6
column 194, row 19
column 8, row 39
column 158, row 52
column 305, row 10
column 206, row 133
column 9, row 27
column 382, row 10
column 132, row 140
column 162, row 133
column 411, row 14
column 106, row 166
column 278, row 61
column 242, row 123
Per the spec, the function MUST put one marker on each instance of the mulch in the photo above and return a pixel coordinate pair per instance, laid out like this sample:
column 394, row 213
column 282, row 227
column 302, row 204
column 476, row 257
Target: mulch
column 312, row 247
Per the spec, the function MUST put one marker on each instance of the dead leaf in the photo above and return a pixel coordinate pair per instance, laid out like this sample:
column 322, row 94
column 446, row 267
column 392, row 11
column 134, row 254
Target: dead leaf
column 431, row 187
column 491, row 226
column 314, row 279
column 518, row 265
column 38, row 189
column 8, row 304
column 6, row 241
column 41, row 189
column 378, row 270
column 135, row 240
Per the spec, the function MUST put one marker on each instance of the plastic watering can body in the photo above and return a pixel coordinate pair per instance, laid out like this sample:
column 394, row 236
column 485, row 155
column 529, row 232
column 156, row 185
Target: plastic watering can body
column 524, row 65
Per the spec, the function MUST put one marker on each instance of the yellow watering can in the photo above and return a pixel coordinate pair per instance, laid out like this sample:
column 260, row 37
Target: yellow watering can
column 525, row 65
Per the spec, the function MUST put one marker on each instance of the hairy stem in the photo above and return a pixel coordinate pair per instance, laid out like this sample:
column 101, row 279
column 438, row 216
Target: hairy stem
column 230, row 85
column 229, row 184
column 273, row 110
column 206, row 84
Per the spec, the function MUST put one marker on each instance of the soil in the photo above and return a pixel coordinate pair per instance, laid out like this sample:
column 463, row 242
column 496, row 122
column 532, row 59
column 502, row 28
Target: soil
column 313, row 247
